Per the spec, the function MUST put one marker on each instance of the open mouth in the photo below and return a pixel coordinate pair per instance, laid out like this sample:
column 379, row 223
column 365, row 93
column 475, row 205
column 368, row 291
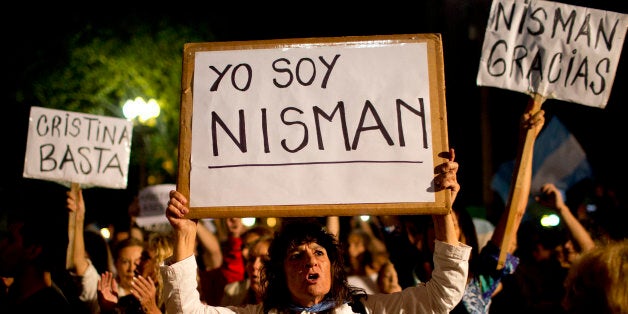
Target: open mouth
column 312, row 277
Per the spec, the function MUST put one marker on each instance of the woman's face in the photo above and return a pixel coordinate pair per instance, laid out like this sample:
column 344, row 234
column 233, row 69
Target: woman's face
column 387, row 279
column 308, row 273
column 257, row 255
column 247, row 242
column 567, row 254
column 126, row 264
column 356, row 245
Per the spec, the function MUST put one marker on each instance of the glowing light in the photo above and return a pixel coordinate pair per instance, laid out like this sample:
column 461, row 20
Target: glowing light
column 271, row 222
column 365, row 218
column 551, row 220
column 140, row 109
column 105, row 233
column 248, row 222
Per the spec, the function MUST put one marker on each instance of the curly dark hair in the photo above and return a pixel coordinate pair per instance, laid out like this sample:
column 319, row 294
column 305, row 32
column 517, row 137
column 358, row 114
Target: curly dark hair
column 276, row 292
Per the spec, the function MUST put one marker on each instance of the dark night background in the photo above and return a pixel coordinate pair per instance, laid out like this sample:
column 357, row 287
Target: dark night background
column 39, row 35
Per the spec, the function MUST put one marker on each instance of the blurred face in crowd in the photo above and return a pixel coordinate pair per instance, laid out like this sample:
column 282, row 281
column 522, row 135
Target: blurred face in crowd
column 257, row 256
column 387, row 279
column 157, row 248
column 127, row 262
column 567, row 253
column 247, row 242
column 356, row 245
column 308, row 273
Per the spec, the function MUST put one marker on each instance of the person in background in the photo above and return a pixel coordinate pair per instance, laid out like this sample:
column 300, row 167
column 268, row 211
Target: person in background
column 546, row 255
column 98, row 250
column 250, row 237
column 29, row 255
column 465, row 232
column 359, row 256
column 579, row 240
column 84, row 271
column 212, row 281
column 208, row 248
column 364, row 252
column 601, row 208
column 305, row 272
column 406, row 240
column 94, row 284
column 484, row 276
column 249, row 290
column 598, row 281
column 148, row 285
column 114, row 292
column 144, row 293
column 387, row 279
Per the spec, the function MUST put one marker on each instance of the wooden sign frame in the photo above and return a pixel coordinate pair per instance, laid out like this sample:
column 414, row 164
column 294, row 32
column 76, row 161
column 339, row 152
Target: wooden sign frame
column 437, row 120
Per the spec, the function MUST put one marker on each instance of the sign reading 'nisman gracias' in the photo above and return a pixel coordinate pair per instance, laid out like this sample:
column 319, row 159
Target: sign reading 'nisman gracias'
column 556, row 50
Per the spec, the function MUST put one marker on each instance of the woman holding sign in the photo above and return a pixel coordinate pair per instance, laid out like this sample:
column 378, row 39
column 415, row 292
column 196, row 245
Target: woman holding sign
column 305, row 272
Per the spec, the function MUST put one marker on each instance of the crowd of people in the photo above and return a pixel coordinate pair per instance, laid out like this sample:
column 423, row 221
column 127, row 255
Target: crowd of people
column 392, row 264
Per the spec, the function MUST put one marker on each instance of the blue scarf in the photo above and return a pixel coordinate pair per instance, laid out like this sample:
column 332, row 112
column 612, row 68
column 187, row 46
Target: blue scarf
column 319, row 307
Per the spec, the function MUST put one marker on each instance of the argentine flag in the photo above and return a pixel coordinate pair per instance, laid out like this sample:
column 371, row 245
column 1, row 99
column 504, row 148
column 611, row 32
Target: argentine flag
column 558, row 158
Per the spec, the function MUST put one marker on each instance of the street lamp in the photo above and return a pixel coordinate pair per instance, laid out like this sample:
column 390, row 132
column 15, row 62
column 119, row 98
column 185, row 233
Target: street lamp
column 140, row 109
column 143, row 113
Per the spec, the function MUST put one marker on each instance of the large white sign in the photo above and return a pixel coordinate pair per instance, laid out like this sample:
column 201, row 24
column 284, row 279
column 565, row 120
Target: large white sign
column 364, row 109
column 556, row 50
column 312, row 125
column 70, row 147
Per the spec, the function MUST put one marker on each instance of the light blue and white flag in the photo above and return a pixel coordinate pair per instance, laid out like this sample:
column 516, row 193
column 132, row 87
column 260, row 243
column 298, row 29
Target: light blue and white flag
column 558, row 158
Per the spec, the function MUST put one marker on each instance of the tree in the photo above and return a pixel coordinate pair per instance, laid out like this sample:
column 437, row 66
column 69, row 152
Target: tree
column 105, row 63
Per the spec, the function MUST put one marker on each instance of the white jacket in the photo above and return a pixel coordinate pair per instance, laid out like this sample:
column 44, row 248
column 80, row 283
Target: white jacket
column 439, row 295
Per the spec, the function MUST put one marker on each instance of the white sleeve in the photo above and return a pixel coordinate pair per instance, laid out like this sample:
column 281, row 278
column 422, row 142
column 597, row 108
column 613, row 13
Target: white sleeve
column 439, row 295
column 181, row 293
column 89, row 288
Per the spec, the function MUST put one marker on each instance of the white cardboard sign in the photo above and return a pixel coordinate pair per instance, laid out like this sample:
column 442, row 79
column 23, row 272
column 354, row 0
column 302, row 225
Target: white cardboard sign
column 70, row 147
column 556, row 50
column 281, row 126
column 153, row 201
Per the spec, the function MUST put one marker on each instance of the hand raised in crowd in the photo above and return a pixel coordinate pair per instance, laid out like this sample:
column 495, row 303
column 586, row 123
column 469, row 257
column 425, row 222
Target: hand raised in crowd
column 75, row 202
column 184, row 228
column 145, row 291
column 176, row 211
column 446, row 174
column 107, row 292
column 534, row 121
column 550, row 197
column 235, row 227
column 446, row 178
